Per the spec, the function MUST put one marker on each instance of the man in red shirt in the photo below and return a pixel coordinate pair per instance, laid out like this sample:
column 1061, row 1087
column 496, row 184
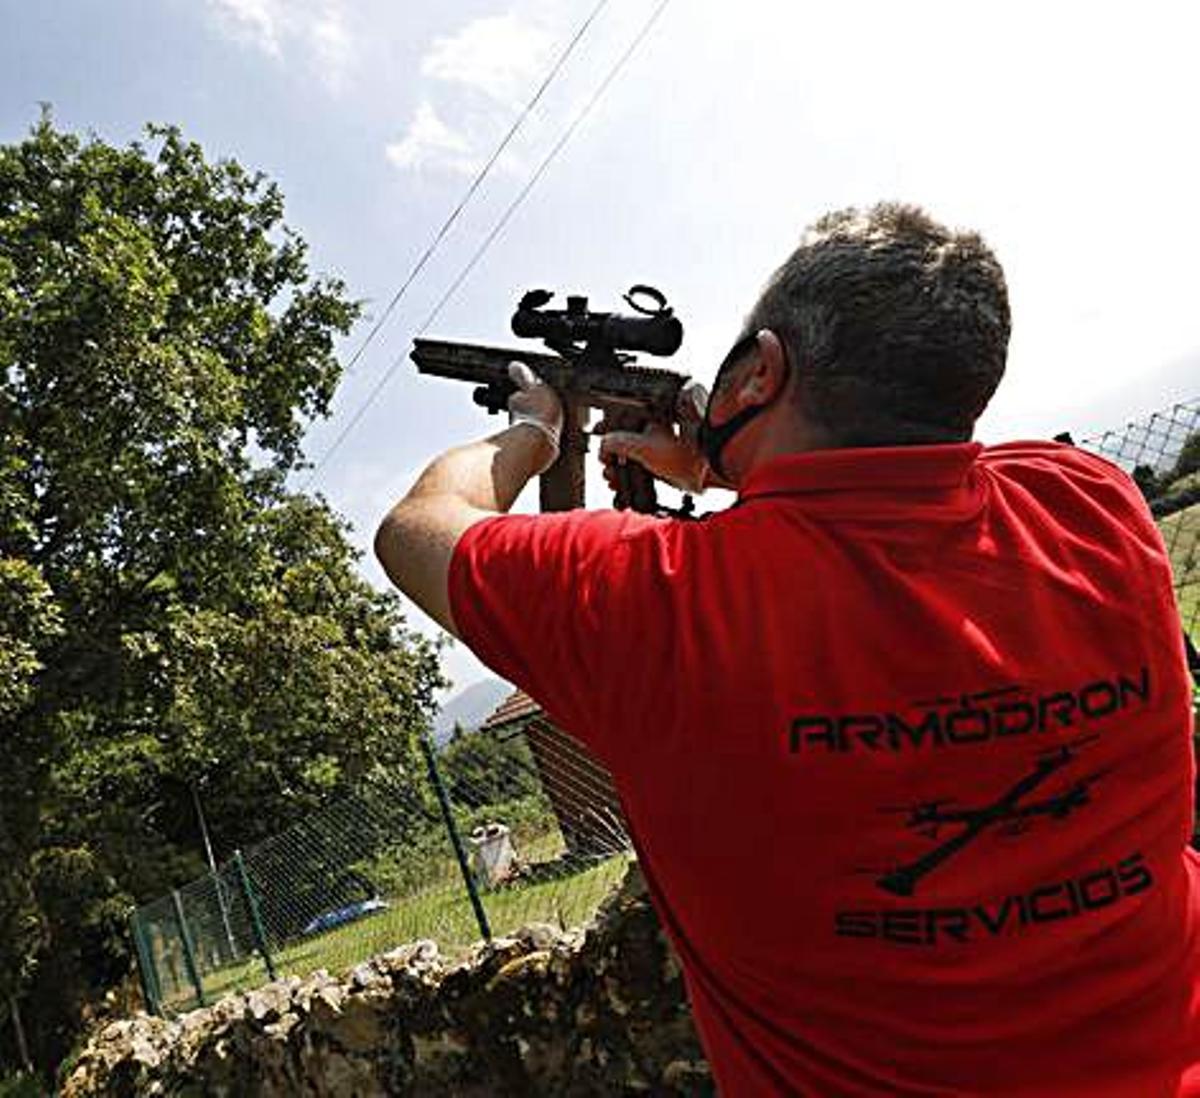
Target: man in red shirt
column 903, row 736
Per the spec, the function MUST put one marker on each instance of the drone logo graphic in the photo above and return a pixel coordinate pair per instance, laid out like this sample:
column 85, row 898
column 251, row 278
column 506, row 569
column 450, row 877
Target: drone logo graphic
column 1010, row 814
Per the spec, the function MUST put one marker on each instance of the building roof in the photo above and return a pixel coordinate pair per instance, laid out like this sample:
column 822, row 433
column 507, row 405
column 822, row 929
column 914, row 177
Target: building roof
column 517, row 708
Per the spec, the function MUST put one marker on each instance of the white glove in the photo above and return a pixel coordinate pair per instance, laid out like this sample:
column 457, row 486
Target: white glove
column 537, row 404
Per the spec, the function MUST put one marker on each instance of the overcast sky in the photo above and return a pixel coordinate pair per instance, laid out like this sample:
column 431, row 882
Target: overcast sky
column 1061, row 131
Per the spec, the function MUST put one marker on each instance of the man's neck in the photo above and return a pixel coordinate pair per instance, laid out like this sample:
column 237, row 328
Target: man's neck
column 780, row 438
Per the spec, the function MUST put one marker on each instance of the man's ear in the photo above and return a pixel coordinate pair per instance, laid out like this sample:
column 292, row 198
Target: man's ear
column 767, row 370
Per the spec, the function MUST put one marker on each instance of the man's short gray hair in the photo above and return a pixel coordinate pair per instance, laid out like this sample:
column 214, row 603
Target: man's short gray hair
column 896, row 326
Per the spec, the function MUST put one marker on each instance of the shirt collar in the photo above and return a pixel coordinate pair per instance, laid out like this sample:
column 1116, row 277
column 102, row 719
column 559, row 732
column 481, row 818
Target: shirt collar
column 887, row 468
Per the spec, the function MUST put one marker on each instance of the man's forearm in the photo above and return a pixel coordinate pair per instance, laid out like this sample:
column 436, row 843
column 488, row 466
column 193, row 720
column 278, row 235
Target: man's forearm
column 416, row 539
column 487, row 475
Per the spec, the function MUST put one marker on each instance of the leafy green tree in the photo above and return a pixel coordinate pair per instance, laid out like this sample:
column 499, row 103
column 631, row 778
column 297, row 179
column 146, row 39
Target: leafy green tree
column 174, row 624
column 29, row 623
column 1188, row 461
column 1148, row 481
column 480, row 768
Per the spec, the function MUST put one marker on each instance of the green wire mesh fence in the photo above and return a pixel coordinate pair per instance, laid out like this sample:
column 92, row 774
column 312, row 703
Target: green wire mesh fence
column 512, row 824
column 506, row 826
column 1162, row 454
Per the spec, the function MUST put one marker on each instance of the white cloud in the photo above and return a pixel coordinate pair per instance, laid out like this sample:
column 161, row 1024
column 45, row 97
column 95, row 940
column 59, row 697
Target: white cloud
column 481, row 75
column 331, row 44
column 429, row 140
column 500, row 56
column 253, row 21
column 316, row 30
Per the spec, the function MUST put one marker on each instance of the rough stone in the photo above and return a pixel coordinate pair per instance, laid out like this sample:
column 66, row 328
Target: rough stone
column 539, row 936
column 413, row 955
column 266, row 1004
column 579, row 1013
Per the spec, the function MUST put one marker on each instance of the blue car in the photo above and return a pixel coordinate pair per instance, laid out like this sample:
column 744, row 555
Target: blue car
column 339, row 916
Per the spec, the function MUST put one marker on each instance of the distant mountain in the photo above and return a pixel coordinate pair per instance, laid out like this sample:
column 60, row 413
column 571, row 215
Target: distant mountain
column 470, row 707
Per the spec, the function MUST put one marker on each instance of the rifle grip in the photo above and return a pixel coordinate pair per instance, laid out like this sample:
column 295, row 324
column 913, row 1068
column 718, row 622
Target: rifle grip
column 561, row 487
column 635, row 490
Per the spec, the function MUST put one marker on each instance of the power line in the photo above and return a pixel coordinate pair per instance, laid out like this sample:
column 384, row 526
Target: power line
column 513, row 206
column 480, row 176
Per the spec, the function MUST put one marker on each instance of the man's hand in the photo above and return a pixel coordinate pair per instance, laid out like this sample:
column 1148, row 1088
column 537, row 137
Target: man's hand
column 536, row 404
column 669, row 454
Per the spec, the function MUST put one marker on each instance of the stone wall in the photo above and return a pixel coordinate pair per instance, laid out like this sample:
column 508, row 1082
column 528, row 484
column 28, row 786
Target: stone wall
column 595, row 1012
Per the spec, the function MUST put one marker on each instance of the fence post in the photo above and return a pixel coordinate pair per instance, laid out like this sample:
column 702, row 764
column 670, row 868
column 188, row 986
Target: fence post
column 189, row 952
column 448, row 817
column 145, row 965
column 256, row 924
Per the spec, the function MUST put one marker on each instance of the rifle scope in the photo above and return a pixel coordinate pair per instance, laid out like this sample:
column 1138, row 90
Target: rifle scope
column 657, row 331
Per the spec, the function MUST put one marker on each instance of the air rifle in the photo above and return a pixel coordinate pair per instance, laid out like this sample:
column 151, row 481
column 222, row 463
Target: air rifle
column 590, row 368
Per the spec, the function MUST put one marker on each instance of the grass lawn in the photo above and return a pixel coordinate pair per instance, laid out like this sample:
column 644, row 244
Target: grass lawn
column 441, row 912
column 1181, row 532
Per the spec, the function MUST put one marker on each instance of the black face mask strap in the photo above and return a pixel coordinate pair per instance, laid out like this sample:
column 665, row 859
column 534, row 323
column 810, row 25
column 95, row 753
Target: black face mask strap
column 711, row 439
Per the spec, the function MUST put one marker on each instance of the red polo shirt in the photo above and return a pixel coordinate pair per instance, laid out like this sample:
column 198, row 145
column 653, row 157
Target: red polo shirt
column 904, row 741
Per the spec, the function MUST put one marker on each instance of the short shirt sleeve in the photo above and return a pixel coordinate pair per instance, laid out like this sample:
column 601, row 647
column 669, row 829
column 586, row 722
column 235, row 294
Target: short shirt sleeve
column 558, row 604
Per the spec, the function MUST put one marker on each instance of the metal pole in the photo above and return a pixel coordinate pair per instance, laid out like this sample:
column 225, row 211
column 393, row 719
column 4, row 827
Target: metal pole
column 144, row 965
column 153, row 970
column 189, row 952
column 256, row 923
column 212, row 866
column 448, row 818
column 22, row 1047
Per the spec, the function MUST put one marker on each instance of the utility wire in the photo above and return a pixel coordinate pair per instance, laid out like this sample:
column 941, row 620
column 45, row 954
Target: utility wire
column 491, row 237
column 480, row 176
